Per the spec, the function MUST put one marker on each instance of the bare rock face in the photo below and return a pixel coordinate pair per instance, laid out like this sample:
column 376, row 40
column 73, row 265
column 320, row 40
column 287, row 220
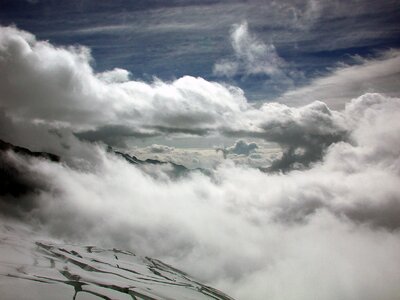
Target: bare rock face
column 5, row 146
column 33, row 268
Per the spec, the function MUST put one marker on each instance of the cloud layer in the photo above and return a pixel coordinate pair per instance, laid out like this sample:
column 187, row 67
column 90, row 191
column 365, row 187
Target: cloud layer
column 380, row 74
column 324, row 225
column 317, row 231
column 59, row 86
column 56, row 87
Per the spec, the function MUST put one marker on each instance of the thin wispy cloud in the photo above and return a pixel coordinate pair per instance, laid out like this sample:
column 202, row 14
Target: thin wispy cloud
column 252, row 56
column 309, row 35
column 378, row 74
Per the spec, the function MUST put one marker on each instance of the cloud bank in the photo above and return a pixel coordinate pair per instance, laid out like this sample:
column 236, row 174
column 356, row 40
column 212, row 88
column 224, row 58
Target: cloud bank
column 324, row 225
column 57, row 87
column 318, row 230
column 60, row 87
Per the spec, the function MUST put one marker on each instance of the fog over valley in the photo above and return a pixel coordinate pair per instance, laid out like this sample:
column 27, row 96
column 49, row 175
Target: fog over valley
column 157, row 151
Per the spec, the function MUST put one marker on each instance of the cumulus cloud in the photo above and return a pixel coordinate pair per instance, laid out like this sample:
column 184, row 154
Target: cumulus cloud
column 252, row 56
column 117, row 75
column 56, row 87
column 42, row 137
column 155, row 148
column 318, row 230
column 316, row 227
column 304, row 133
column 379, row 74
column 240, row 147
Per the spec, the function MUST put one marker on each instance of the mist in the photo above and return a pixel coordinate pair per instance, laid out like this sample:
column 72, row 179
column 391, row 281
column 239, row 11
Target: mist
column 321, row 223
column 331, row 230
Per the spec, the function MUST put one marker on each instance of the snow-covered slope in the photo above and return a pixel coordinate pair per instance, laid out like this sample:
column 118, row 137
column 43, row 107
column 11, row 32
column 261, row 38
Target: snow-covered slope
column 34, row 268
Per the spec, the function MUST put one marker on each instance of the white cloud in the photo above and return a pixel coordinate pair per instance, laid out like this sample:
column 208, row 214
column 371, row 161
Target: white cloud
column 255, row 235
column 115, row 76
column 155, row 148
column 252, row 56
column 189, row 157
column 379, row 75
column 306, row 233
column 240, row 147
column 57, row 85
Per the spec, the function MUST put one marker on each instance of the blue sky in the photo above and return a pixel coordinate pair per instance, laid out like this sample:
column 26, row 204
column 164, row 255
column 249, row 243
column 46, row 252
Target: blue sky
column 116, row 71
column 169, row 39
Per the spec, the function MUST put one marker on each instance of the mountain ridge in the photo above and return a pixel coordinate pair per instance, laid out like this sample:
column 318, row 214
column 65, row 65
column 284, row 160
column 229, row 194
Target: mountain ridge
column 75, row 272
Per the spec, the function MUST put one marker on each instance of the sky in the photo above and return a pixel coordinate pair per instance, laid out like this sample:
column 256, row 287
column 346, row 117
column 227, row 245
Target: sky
column 291, row 52
column 285, row 114
column 293, row 43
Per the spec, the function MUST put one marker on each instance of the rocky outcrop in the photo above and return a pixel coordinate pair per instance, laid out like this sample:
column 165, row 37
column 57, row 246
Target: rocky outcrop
column 33, row 268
